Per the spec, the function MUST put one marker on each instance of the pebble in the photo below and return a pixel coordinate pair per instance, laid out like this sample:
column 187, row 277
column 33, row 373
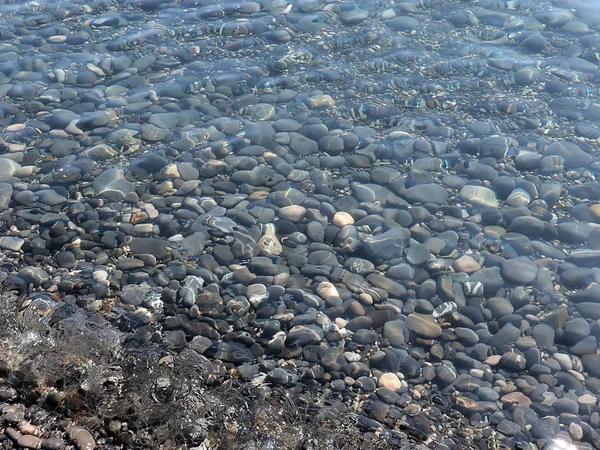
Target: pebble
column 479, row 195
column 424, row 326
column 301, row 195
column 520, row 270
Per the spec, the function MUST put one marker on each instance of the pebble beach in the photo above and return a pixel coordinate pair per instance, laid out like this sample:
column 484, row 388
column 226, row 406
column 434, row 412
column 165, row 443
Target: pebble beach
column 300, row 224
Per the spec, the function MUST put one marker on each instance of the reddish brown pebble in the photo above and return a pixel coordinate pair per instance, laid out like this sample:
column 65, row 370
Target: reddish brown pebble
column 82, row 438
column 12, row 433
column 53, row 443
column 29, row 441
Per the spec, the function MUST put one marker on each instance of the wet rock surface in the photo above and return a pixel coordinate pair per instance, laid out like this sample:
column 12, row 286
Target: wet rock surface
column 327, row 224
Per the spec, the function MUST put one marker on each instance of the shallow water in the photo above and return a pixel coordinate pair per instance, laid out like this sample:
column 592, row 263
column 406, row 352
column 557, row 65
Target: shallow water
column 390, row 205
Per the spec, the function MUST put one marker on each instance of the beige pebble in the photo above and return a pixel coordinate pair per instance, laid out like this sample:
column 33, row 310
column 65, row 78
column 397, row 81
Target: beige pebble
column 72, row 128
column 575, row 431
column 320, row 101
column 15, row 127
column 341, row 322
column 587, row 399
column 95, row 69
column 341, row 219
column 390, row 381
column 171, row 171
column 293, row 213
column 326, row 289
column 493, row 360
column 365, row 299
column 466, row 264
column 57, row 39
column 59, row 133
column 151, row 210
column 516, row 397
column 595, row 212
column 579, row 376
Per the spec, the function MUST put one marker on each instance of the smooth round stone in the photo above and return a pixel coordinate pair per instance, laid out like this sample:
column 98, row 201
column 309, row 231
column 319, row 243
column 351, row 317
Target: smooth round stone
column 520, row 270
column 566, row 405
column 534, row 43
column 466, row 336
column 393, row 288
column 354, row 16
column 34, row 275
column 359, row 266
column 363, row 336
column 333, row 145
column 594, row 211
column 545, row 428
column 8, row 168
column 320, row 101
column 518, row 197
column 112, row 183
column 368, row 193
column 12, row 243
column 445, row 374
column 528, row 160
column 574, row 232
column 359, row 323
column 490, row 278
column 573, row 156
column 499, row 307
column 387, row 245
column 293, row 213
column 513, row 361
column 526, row 76
column 65, row 259
column 543, row 335
column 303, row 145
column 410, row 368
column 194, row 244
column 152, row 133
column 6, row 191
column 302, row 335
column 479, row 195
column 365, row 384
column 577, row 329
column 508, row 334
column 82, row 438
column 390, row 381
column 50, row 197
column 591, row 364
column 401, row 271
column 466, row 264
column 527, row 225
column 393, row 331
column 486, row 394
column 424, row 326
column 586, row 346
column 552, row 164
column 426, row 193
column 150, row 246
column 333, row 359
column 341, row 219
column 417, row 254
column 263, row 111
column 402, row 23
column 589, row 310
column 326, row 289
